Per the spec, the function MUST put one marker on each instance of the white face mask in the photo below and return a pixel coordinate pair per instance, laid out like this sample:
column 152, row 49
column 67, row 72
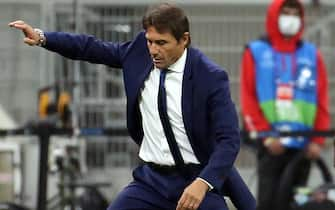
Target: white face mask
column 289, row 25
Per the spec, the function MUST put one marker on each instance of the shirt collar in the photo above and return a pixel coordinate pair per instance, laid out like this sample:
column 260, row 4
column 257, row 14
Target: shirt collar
column 179, row 65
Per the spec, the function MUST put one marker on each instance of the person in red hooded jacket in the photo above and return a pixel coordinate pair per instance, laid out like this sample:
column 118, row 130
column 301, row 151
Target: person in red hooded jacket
column 283, row 87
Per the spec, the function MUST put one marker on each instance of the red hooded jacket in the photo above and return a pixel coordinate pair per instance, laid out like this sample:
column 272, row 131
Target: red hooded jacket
column 252, row 115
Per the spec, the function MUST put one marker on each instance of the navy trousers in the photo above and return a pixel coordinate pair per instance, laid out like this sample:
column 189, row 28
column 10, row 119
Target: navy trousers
column 152, row 191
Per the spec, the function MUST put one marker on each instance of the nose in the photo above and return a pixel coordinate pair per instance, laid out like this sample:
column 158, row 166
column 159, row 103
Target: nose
column 153, row 49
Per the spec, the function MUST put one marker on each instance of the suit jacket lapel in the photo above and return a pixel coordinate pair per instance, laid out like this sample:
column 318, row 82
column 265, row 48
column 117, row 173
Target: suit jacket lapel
column 139, row 82
column 187, row 96
column 143, row 77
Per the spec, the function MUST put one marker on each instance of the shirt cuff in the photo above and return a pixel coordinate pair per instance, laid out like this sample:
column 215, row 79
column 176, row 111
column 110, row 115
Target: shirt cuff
column 209, row 185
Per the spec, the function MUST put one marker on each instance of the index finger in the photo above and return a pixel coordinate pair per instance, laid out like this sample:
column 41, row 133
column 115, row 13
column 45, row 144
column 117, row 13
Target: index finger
column 22, row 27
column 16, row 23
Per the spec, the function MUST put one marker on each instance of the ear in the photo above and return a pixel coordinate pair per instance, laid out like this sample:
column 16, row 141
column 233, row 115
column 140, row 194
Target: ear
column 186, row 38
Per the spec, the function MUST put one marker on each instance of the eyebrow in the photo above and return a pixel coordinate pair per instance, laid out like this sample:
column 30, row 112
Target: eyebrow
column 157, row 41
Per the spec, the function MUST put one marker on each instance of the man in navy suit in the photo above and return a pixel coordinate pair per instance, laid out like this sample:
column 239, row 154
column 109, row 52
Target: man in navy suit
column 179, row 111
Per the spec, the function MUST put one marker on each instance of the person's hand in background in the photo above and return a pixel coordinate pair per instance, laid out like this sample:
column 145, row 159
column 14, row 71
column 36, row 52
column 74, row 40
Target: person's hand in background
column 313, row 150
column 274, row 146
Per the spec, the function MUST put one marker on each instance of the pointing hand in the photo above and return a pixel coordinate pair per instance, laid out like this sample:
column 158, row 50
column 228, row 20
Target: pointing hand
column 31, row 36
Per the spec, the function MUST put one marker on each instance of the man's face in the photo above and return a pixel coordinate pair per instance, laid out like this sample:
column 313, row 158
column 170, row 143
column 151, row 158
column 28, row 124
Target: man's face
column 164, row 48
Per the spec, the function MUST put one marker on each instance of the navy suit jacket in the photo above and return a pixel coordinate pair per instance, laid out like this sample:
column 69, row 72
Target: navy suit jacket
column 209, row 114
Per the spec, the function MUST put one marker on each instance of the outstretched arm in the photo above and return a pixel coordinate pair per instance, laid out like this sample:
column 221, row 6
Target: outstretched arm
column 75, row 46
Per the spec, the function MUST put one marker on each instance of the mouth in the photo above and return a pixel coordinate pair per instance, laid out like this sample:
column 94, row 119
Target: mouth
column 156, row 61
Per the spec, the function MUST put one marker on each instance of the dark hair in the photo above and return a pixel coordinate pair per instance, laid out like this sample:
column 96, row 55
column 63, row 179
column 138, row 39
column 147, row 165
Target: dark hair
column 166, row 17
column 292, row 4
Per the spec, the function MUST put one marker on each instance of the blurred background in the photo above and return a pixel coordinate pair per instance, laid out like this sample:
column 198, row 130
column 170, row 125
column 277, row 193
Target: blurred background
column 220, row 28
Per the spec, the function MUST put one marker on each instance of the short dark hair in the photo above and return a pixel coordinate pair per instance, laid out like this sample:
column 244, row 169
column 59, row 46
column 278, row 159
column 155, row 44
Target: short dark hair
column 292, row 4
column 166, row 17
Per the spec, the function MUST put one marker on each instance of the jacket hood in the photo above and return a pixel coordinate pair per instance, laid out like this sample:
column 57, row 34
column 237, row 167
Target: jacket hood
column 276, row 38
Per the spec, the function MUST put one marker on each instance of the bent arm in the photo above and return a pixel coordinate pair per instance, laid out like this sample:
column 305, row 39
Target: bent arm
column 224, row 123
column 253, row 117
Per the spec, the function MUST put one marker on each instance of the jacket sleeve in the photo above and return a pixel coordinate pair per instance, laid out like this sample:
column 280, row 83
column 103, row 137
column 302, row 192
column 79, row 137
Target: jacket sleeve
column 225, row 129
column 86, row 48
column 238, row 192
column 253, row 118
column 322, row 119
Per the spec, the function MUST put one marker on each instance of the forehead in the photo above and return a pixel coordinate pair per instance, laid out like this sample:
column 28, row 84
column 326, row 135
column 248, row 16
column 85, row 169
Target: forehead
column 290, row 10
column 152, row 34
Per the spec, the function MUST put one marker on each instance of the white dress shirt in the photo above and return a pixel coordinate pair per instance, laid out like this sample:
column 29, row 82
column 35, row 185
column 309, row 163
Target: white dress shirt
column 154, row 147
